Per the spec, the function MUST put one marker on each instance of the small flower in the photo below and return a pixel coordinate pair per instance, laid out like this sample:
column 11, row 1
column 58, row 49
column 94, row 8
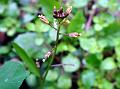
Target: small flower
column 43, row 18
column 69, row 9
column 47, row 55
column 60, row 14
column 74, row 34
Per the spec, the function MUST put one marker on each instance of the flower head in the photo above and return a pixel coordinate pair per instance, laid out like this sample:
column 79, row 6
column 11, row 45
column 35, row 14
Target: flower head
column 60, row 14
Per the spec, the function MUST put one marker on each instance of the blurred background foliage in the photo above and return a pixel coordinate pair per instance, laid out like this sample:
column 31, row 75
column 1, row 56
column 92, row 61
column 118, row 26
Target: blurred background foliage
column 95, row 54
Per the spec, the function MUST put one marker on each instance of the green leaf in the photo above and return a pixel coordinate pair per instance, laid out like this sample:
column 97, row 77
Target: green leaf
column 64, row 82
column 63, row 46
column 91, row 45
column 92, row 61
column 108, row 64
column 79, row 3
column 30, row 27
column 72, row 63
column 52, row 75
column 12, row 75
column 32, row 49
column 12, row 10
column 31, row 80
column 106, row 84
column 76, row 23
column 88, row 78
column 28, row 61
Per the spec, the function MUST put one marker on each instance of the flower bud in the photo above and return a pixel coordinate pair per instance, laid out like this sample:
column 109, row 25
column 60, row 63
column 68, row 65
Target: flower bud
column 38, row 64
column 69, row 9
column 74, row 34
column 47, row 55
column 43, row 18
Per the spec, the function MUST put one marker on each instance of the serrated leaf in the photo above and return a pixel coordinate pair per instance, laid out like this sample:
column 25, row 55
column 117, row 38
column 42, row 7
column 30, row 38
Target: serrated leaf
column 28, row 61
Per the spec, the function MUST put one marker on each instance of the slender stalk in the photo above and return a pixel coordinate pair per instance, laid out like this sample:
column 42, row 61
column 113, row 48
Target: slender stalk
column 53, row 56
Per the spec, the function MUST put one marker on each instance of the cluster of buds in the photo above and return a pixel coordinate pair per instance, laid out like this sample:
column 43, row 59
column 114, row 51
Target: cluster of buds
column 60, row 14
column 47, row 55
column 43, row 18
column 74, row 34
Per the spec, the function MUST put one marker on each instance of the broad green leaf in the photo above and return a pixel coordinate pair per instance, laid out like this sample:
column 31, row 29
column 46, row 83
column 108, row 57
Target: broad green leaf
column 27, row 18
column 76, row 24
column 108, row 64
column 39, row 41
column 12, row 75
column 31, row 80
column 2, row 9
column 64, row 82
column 52, row 75
column 93, row 61
column 30, row 27
column 72, row 63
column 27, row 41
column 91, row 45
column 12, row 10
column 88, row 78
column 106, row 85
column 28, row 61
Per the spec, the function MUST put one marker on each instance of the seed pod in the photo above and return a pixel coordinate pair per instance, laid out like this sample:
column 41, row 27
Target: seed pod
column 43, row 18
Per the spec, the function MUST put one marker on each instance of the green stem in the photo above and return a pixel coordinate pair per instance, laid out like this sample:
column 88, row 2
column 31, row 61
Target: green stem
column 53, row 56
